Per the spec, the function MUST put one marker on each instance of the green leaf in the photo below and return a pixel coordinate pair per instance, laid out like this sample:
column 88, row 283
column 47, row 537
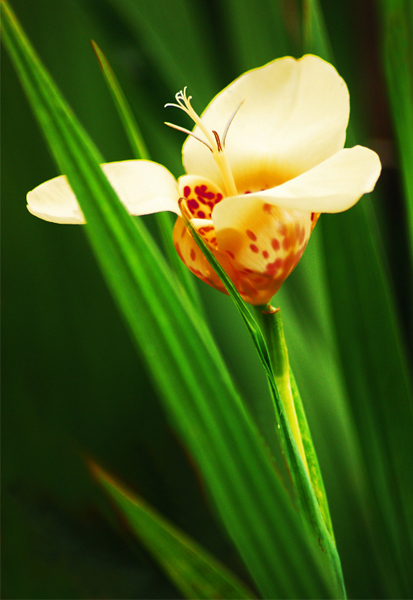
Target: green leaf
column 397, row 51
column 186, row 367
column 139, row 150
column 374, row 366
column 311, row 456
column 175, row 41
column 194, row 571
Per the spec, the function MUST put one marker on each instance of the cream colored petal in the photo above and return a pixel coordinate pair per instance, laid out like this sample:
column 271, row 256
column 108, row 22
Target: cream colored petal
column 143, row 186
column 293, row 117
column 333, row 186
column 54, row 201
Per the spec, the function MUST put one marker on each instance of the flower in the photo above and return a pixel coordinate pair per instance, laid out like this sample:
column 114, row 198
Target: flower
column 263, row 161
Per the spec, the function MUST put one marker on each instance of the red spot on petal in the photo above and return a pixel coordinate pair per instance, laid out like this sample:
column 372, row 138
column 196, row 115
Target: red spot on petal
column 286, row 243
column 251, row 235
column 247, row 192
column 267, row 208
column 273, row 267
column 297, row 230
column 312, row 216
column 201, row 214
column 265, row 254
column 187, row 191
column 230, row 254
column 192, row 204
column 193, row 254
column 289, row 263
column 254, row 248
column 275, row 243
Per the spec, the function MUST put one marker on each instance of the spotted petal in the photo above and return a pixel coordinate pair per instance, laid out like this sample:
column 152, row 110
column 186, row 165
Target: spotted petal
column 192, row 257
column 143, row 186
column 294, row 116
column 264, row 242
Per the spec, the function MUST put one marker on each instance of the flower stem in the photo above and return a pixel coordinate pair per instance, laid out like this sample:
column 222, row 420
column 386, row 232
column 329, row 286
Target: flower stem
column 271, row 326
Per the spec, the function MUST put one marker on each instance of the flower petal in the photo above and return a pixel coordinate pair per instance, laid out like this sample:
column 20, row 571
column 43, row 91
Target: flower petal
column 143, row 186
column 264, row 242
column 54, row 201
column 333, row 186
column 293, row 117
column 192, row 257
column 201, row 195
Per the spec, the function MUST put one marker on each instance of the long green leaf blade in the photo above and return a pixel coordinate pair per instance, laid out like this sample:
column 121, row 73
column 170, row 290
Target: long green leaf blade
column 191, row 568
column 375, row 366
column 397, row 49
column 140, row 151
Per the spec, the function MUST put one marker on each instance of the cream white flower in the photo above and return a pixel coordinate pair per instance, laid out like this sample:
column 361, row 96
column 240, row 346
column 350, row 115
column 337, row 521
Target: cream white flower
column 263, row 161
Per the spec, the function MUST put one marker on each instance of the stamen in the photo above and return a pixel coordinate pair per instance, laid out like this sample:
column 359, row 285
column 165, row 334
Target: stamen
column 224, row 135
column 178, row 128
column 218, row 141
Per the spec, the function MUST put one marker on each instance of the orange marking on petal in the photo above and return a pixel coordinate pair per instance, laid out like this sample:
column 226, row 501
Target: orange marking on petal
column 251, row 235
column 286, row 243
column 193, row 254
column 275, row 244
column 273, row 267
column 254, row 248
column 267, row 208
column 265, row 254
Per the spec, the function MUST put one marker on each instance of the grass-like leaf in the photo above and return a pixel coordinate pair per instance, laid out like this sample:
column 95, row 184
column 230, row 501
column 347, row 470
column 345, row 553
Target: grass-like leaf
column 397, row 50
column 194, row 571
column 374, row 364
column 140, row 151
column 186, row 367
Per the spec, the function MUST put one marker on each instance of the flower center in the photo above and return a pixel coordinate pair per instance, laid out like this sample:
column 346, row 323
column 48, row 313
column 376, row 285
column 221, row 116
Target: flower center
column 212, row 140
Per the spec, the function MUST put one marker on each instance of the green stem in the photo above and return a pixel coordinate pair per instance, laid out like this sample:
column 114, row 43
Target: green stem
column 270, row 322
column 272, row 328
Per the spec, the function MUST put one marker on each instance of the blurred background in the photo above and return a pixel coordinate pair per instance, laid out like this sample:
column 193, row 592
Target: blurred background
column 73, row 384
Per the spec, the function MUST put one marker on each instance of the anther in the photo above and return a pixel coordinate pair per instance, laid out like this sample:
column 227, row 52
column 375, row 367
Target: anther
column 218, row 141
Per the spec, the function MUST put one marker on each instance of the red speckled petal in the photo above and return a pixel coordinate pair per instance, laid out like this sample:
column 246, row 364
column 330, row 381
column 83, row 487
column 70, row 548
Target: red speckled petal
column 192, row 257
column 201, row 195
column 264, row 242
